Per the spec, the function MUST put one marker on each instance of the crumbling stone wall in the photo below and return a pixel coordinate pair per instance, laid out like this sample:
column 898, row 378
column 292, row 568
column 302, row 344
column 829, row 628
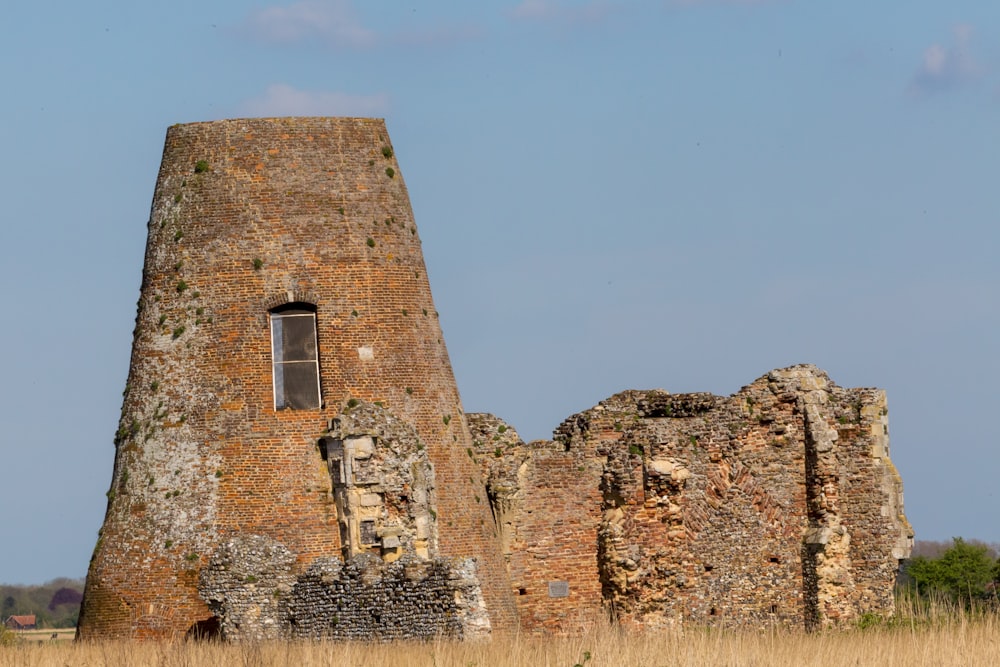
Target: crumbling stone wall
column 245, row 584
column 777, row 505
column 383, row 483
column 389, row 583
column 408, row 599
column 251, row 587
column 547, row 502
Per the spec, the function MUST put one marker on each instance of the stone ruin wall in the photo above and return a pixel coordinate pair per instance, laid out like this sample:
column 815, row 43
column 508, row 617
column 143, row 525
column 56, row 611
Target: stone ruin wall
column 777, row 505
column 254, row 593
column 389, row 582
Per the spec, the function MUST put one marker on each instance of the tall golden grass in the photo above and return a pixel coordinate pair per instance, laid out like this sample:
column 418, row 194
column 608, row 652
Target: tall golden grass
column 933, row 637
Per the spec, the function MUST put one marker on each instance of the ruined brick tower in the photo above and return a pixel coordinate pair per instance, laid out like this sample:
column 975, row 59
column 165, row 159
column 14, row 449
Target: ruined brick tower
column 291, row 428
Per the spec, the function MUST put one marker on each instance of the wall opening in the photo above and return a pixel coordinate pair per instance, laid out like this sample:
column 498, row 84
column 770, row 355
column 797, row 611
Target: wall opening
column 295, row 357
column 206, row 629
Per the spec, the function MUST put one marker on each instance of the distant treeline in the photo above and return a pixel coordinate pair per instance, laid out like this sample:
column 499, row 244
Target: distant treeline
column 966, row 572
column 935, row 549
column 55, row 604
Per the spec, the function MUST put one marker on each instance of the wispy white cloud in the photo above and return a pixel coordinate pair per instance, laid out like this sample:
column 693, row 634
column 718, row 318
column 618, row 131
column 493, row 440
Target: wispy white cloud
column 566, row 11
column 701, row 3
column 436, row 35
column 332, row 22
column 553, row 10
column 335, row 23
column 280, row 99
column 944, row 67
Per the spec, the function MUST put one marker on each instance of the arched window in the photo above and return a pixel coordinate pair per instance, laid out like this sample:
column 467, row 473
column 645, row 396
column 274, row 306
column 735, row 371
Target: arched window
column 295, row 357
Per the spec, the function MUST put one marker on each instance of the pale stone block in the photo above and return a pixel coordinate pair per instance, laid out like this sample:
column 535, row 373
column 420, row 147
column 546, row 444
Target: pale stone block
column 361, row 447
column 662, row 466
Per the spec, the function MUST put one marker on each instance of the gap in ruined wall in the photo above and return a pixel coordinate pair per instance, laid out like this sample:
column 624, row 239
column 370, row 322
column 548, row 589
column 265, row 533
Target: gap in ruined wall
column 810, row 551
column 208, row 629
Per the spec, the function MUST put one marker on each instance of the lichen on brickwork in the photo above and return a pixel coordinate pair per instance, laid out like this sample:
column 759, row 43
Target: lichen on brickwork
column 206, row 450
column 293, row 460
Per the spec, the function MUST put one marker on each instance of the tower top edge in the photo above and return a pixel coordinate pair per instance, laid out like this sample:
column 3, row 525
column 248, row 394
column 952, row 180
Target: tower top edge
column 286, row 121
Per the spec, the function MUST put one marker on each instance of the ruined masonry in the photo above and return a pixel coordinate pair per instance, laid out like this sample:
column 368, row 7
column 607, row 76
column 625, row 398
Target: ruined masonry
column 777, row 505
column 293, row 461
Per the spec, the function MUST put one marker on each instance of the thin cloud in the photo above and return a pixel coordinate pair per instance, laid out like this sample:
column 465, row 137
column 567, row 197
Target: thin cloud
column 335, row 24
column 332, row 22
column 436, row 36
column 705, row 3
column 946, row 67
column 552, row 10
column 280, row 99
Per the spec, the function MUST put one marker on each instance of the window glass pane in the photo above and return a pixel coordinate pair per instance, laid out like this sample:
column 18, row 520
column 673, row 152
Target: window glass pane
column 277, row 343
column 301, row 390
column 279, row 387
column 295, row 357
column 298, row 338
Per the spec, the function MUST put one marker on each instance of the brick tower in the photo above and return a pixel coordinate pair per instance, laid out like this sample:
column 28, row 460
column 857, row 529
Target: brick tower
column 290, row 410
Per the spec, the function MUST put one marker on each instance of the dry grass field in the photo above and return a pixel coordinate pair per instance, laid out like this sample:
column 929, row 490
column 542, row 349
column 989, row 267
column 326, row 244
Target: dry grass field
column 947, row 640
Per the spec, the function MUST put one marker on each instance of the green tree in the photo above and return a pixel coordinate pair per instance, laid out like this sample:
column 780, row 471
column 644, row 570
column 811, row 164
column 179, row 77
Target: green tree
column 962, row 573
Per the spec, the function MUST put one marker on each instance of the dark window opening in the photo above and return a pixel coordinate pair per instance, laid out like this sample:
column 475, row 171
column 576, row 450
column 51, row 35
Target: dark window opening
column 713, row 612
column 774, row 559
column 709, row 568
column 368, row 534
column 522, row 591
column 295, row 357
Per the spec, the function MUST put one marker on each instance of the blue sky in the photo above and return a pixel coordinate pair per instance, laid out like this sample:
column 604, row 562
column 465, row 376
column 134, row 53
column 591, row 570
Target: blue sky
column 610, row 195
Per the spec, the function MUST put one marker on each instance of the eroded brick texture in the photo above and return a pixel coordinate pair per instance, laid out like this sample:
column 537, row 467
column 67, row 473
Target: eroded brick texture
column 363, row 515
column 252, row 589
column 247, row 216
column 777, row 505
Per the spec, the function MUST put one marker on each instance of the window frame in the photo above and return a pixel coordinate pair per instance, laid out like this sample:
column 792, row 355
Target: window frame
column 278, row 315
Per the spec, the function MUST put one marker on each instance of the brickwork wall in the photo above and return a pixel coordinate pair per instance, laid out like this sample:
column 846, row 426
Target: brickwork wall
column 775, row 506
column 248, row 215
column 547, row 501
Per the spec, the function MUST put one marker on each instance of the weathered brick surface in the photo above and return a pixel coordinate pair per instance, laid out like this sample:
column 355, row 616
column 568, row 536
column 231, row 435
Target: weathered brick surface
column 248, row 215
column 777, row 505
column 547, row 503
